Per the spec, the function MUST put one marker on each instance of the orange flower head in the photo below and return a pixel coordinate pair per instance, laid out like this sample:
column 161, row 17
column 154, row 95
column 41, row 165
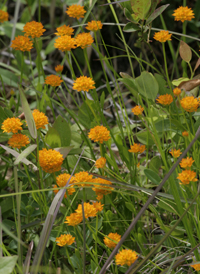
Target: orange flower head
column 53, row 80
column 18, row 140
column 89, row 210
column 22, row 43
column 112, row 240
column 50, row 160
column 196, row 266
column 183, row 13
column 175, row 153
column 177, row 91
column 3, row 16
column 84, row 40
column 59, row 68
column 137, row 148
column 100, row 163
column 11, row 125
column 126, row 257
column 138, row 165
column 94, row 25
column 82, row 177
column 185, row 134
column 62, row 179
column 76, row 11
column 65, row 239
column 166, row 99
column 99, row 134
column 190, row 104
column 137, row 110
column 64, row 30
column 162, row 36
column 74, row 219
column 84, row 83
column 98, row 206
column 187, row 176
column 102, row 187
column 40, row 119
column 186, row 162
column 34, row 29
column 65, row 43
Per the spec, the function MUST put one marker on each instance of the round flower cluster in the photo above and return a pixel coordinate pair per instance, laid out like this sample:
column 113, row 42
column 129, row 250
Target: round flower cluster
column 84, row 83
column 185, row 134
column 50, row 160
column 76, row 11
column 126, row 257
column 101, row 187
column 65, row 239
column 99, row 134
column 22, row 43
column 137, row 110
column 177, row 91
column 94, row 25
column 100, row 163
column 84, row 40
column 34, row 29
column 62, row 179
column 3, row 16
column 18, row 141
column 190, row 104
column 196, row 266
column 112, row 240
column 187, row 176
column 82, row 177
column 40, row 119
column 65, row 43
column 166, row 99
column 64, row 30
column 162, row 36
column 59, row 68
column 53, row 80
column 186, row 162
column 11, row 125
column 175, row 153
column 183, row 13
column 137, row 148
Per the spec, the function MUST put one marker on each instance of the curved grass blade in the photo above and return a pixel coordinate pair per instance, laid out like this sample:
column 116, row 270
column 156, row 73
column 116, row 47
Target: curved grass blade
column 24, row 154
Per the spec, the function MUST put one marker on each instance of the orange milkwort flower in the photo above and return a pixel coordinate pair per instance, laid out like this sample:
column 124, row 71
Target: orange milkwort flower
column 82, row 177
column 18, row 140
column 59, row 68
column 65, row 43
column 53, row 80
column 76, row 11
column 40, row 119
column 113, row 241
column 3, row 16
column 64, row 30
column 22, row 43
column 186, row 162
column 74, row 219
column 34, row 29
column 126, row 257
column 99, row 134
column 89, row 210
column 94, row 25
column 162, row 36
column 11, row 125
column 83, row 83
column 101, row 188
column 196, row 266
column 65, row 239
column 183, row 13
column 190, row 104
column 62, row 179
column 100, row 163
column 175, row 153
column 166, row 99
column 98, row 206
column 137, row 148
column 84, row 40
column 177, row 91
column 50, row 160
column 137, row 110
column 185, row 134
column 187, row 176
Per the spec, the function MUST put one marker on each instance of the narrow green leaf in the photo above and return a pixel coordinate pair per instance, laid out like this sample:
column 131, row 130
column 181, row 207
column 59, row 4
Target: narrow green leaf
column 24, row 154
column 156, row 13
column 152, row 176
column 131, row 27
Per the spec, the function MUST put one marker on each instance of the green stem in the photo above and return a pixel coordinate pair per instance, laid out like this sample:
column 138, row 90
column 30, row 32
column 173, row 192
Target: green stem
column 166, row 69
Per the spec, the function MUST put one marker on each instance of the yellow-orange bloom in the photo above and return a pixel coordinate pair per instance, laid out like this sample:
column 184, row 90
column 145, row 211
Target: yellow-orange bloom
column 84, row 40
column 183, row 13
column 83, row 83
column 18, row 140
column 137, row 110
column 196, row 266
column 99, row 134
column 50, row 160
column 76, row 11
column 34, row 29
column 89, row 210
column 177, row 91
column 11, row 125
column 62, row 179
column 101, row 188
column 65, row 239
column 74, row 219
column 82, row 177
column 186, row 162
column 162, row 36
column 59, row 68
column 187, row 176
column 137, row 148
column 166, row 99
column 40, row 119
column 64, row 30
column 126, row 257
column 100, row 163
column 185, row 134
column 175, row 153
column 22, row 43
column 98, row 206
column 94, row 25
column 3, row 16
column 53, row 80
column 112, row 240
column 190, row 104
column 65, row 43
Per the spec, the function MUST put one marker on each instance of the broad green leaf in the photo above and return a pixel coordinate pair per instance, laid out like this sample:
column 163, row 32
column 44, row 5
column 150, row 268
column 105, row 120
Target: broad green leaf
column 162, row 84
column 9, row 78
column 168, row 206
column 7, row 264
column 166, row 124
column 129, row 82
column 128, row 15
column 145, row 138
column 156, row 13
column 147, row 85
column 185, row 52
column 154, row 4
column 140, row 8
column 64, row 131
column 28, row 115
column 155, row 163
column 24, row 154
column 177, row 82
column 131, row 27
column 130, row 206
column 52, row 138
column 152, row 176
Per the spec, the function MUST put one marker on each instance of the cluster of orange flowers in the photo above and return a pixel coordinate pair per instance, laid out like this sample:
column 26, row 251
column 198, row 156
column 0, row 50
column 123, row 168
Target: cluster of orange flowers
column 65, row 239
column 137, row 148
column 187, row 175
column 100, row 163
column 137, row 110
column 3, row 16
